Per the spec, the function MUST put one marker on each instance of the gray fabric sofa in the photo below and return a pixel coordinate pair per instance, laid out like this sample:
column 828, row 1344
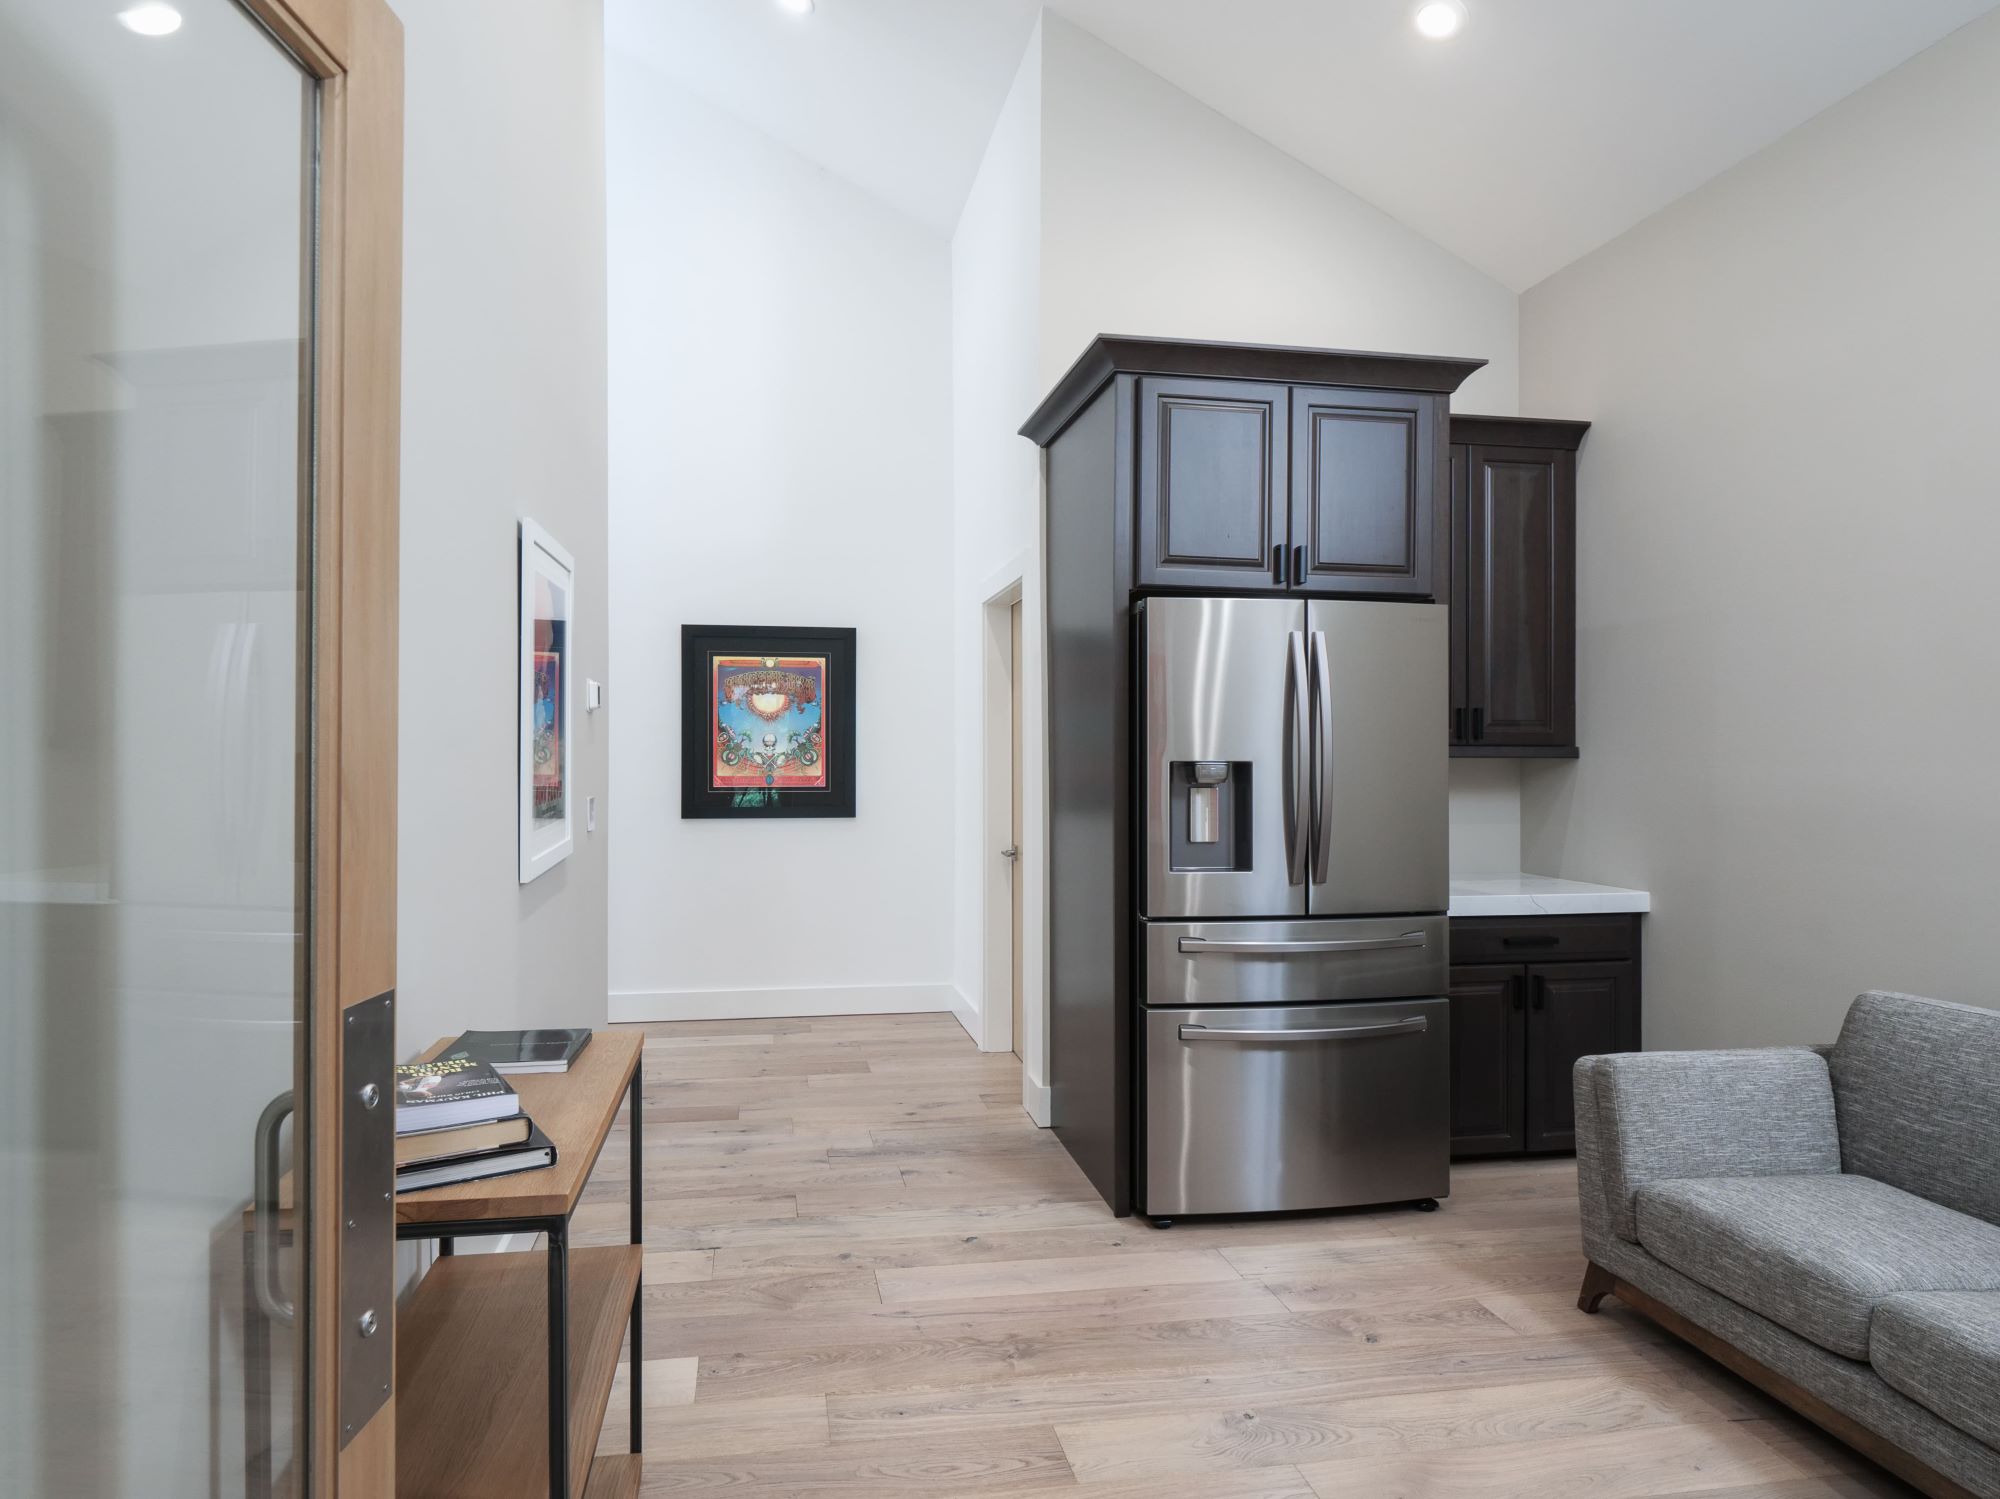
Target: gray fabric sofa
column 1826, row 1221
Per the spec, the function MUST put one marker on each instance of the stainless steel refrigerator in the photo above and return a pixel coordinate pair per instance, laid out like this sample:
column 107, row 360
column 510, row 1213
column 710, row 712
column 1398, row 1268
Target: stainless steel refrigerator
column 1292, row 951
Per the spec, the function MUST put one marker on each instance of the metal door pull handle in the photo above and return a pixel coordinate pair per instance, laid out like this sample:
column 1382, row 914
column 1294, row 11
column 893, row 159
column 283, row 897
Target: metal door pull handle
column 264, row 1218
column 1409, row 1027
column 1199, row 945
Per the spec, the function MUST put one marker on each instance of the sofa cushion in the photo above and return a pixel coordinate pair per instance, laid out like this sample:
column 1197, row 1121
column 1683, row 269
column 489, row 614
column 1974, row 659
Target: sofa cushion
column 1916, row 1086
column 1942, row 1349
column 1680, row 1115
column 1815, row 1254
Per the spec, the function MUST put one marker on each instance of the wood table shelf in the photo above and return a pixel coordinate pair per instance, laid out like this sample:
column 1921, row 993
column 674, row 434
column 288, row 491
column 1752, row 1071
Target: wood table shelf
column 485, row 1337
column 473, row 1383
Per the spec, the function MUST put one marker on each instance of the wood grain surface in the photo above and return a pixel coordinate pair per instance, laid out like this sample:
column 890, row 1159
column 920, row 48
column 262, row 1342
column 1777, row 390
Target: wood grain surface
column 891, row 1284
column 574, row 1109
column 472, row 1372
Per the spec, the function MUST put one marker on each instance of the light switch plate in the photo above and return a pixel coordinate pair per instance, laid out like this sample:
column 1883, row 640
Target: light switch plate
column 593, row 695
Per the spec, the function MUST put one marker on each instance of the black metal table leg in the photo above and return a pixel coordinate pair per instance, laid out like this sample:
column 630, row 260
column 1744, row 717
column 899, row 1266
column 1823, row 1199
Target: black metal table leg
column 638, row 1237
column 558, row 1233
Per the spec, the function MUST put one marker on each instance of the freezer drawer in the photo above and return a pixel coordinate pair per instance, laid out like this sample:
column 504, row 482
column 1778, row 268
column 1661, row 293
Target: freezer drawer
column 1306, row 1106
column 1293, row 962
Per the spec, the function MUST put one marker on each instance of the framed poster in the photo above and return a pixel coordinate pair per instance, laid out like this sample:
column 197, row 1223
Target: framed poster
column 767, row 721
column 547, row 604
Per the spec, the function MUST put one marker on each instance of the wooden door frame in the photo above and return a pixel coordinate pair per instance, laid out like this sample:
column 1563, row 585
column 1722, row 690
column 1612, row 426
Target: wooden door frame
column 355, row 49
column 996, row 775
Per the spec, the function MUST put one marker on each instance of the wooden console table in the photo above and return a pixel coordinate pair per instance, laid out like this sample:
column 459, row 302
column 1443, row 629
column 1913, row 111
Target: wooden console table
column 470, row 1365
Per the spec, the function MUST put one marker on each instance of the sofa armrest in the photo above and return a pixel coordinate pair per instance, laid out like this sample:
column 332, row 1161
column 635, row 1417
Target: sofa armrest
column 1671, row 1115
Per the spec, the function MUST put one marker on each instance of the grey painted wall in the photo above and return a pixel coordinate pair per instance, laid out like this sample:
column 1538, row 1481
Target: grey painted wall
column 503, row 417
column 1789, row 653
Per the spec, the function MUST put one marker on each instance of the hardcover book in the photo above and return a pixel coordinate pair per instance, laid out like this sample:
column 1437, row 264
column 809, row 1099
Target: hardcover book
column 416, row 1146
column 521, row 1051
column 450, row 1091
column 534, row 1153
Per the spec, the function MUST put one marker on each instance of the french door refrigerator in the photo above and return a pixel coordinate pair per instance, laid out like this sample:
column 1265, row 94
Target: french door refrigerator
column 1292, row 945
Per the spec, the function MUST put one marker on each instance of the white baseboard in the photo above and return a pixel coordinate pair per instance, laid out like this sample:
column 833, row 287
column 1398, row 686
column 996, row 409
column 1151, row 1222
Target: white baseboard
column 1035, row 1099
column 775, row 1004
column 966, row 1011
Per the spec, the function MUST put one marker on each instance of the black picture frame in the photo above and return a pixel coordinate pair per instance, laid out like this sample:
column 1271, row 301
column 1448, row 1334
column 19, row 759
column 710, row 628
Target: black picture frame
column 700, row 644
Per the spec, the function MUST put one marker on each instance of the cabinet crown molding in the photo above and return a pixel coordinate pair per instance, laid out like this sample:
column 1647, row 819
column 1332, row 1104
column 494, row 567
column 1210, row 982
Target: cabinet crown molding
column 1517, row 432
column 1111, row 354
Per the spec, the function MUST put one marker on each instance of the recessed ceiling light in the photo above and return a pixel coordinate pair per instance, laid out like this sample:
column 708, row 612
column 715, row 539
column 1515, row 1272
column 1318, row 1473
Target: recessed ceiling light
column 796, row 7
column 151, row 19
column 1438, row 19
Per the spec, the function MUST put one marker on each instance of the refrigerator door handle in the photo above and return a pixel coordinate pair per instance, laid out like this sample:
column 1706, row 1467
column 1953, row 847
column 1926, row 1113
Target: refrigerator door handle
column 1198, row 945
column 1410, row 1027
column 1298, row 757
column 1322, row 754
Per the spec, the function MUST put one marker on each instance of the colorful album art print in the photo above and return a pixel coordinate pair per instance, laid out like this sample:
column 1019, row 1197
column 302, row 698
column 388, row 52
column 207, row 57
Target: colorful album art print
column 548, row 740
column 545, row 809
column 769, row 729
column 768, row 721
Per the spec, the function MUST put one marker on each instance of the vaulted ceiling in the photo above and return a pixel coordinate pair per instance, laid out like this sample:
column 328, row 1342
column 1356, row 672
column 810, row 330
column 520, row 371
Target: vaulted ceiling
column 1546, row 128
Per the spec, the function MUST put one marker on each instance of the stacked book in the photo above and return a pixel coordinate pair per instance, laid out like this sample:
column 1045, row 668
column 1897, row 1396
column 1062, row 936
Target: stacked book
column 458, row 1120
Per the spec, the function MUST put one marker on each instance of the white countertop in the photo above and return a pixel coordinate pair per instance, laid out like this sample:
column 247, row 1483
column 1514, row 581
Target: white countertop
column 1539, row 895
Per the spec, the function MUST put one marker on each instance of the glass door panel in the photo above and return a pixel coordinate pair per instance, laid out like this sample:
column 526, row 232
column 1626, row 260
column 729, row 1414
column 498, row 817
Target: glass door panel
column 156, row 236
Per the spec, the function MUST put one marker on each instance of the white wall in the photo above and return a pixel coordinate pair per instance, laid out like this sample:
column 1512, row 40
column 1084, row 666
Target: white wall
column 1788, row 635
column 780, row 454
column 996, row 493
column 503, row 417
column 1160, row 216
column 1485, row 818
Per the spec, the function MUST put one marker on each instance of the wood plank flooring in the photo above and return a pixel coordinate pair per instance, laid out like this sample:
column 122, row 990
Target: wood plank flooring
column 869, row 1274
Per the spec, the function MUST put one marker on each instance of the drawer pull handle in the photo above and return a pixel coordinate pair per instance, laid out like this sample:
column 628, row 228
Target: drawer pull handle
column 1531, row 941
column 1410, row 1027
column 1199, row 945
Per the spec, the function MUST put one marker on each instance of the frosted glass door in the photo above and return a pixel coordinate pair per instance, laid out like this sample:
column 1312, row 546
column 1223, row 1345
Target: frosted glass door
column 156, row 238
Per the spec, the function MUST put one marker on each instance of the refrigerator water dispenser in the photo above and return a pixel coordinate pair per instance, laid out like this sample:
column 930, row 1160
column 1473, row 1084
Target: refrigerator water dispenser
column 1211, row 815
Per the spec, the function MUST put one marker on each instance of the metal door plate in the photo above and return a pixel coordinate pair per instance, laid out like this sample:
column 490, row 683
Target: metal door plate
column 367, row 1210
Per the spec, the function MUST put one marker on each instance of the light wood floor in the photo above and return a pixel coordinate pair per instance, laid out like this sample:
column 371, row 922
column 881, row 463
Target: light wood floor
column 869, row 1274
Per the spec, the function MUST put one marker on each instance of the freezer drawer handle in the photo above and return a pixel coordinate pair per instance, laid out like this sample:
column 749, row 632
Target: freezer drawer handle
column 1409, row 1027
column 1199, row 945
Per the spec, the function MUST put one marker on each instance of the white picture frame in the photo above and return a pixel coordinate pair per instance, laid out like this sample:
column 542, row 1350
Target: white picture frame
column 546, row 812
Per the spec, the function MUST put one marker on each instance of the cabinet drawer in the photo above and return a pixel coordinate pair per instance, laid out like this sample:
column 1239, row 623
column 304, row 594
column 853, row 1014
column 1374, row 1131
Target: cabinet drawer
column 1543, row 939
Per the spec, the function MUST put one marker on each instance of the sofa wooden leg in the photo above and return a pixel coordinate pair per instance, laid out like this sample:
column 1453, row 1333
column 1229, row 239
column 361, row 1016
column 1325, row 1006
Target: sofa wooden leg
column 1598, row 1283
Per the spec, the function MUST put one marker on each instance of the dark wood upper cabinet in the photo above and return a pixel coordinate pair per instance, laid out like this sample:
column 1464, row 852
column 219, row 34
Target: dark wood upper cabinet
column 1366, row 504
column 1513, row 585
column 1212, row 484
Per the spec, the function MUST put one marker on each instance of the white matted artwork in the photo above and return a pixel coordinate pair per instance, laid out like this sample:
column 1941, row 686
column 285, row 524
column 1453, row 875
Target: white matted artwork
column 548, row 603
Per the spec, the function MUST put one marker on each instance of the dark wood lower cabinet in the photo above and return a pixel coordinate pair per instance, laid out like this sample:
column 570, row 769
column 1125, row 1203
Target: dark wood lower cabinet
column 1517, row 1029
column 1489, row 1027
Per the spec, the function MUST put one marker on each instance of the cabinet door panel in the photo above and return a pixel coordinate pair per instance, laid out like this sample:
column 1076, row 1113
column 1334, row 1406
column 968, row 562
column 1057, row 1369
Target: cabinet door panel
column 1574, row 1010
column 1461, row 712
column 1212, row 466
column 1365, row 497
column 1520, row 596
column 1488, row 1031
